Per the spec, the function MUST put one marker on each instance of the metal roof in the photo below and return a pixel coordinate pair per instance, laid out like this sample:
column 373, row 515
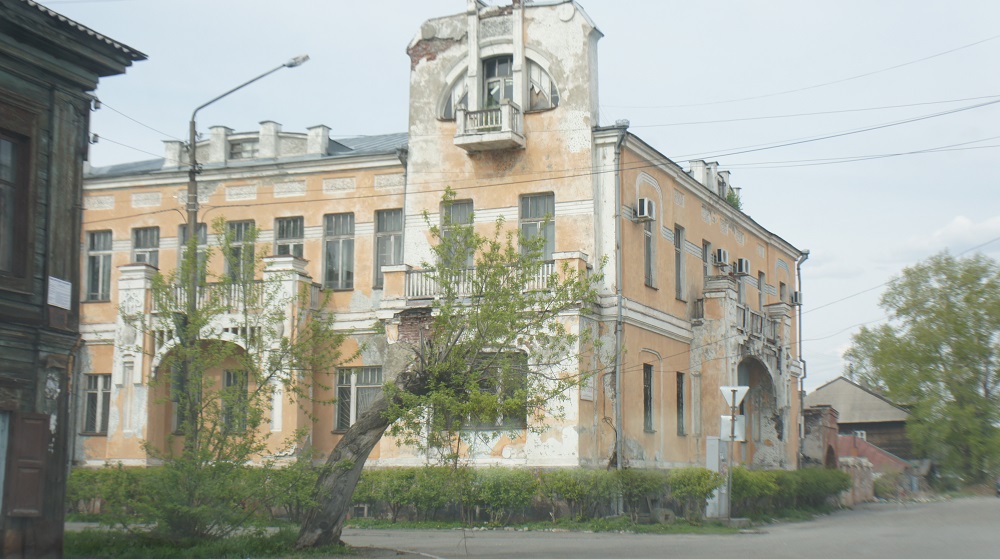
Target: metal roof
column 130, row 52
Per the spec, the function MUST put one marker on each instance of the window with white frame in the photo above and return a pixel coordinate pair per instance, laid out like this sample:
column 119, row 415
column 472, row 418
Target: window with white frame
column 234, row 400
column 338, row 239
column 542, row 92
column 240, row 257
column 146, row 246
column 96, row 403
column 538, row 220
column 388, row 241
column 506, row 376
column 498, row 80
column 648, row 252
column 202, row 242
column 681, row 423
column 453, row 214
column 706, row 257
column 761, row 291
column 679, row 262
column 647, row 397
column 246, row 149
column 288, row 235
column 357, row 389
column 99, row 265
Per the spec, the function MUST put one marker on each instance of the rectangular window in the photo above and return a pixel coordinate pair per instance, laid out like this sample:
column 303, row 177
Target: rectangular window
column 679, row 261
column 457, row 213
column 498, row 80
column 243, row 150
column 96, row 403
column 388, row 241
column 146, row 246
column 338, row 239
column 706, row 257
column 357, row 388
column 234, row 401
column 288, row 235
column 99, row 266
column 681, row 427
column 13, row 204
column 506, row 375
column 240, row 259
column 647, row 397
column 649, row 257
column 761, row 291
column 783, row 292
column 538, row 213
column 182, row 237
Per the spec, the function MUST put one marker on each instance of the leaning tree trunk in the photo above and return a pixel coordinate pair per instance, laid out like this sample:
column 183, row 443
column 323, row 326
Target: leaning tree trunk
column 324, row 523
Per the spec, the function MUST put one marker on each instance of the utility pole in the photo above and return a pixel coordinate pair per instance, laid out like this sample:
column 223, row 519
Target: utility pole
column 188, row 330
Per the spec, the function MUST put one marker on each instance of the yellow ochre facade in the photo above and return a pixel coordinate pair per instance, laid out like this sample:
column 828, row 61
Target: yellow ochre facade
column 503, row 109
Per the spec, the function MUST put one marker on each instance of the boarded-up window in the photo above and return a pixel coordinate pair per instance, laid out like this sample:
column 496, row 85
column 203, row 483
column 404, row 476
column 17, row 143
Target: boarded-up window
column 26, row 475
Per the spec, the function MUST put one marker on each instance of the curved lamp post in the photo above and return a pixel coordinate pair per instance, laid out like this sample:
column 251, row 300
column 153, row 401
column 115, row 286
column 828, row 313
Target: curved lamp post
column 190, row 334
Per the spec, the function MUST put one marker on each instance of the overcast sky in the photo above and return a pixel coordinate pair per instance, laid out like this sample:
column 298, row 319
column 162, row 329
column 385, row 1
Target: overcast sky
column 759, row 70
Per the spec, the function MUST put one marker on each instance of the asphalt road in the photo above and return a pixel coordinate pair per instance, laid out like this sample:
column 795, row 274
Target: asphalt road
column 967, row 528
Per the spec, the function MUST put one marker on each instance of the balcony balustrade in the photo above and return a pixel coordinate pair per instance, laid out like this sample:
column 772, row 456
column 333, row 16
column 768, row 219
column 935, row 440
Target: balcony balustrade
column 424, row 284
column 230, row 297
column 494, row 128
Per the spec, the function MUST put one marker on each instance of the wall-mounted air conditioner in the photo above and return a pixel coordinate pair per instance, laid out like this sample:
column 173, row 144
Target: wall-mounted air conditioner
column 645, row 210
column 742, row 267
column 796, row 298
column 721, row 257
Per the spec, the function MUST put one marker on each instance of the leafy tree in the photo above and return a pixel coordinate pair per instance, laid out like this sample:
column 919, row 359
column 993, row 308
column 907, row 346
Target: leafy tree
column 939, row 355
column 498, row 350
column 227, row 360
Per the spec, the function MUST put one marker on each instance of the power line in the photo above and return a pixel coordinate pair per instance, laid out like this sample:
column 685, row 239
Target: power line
column 815, row 86
column 816, row 113
column 103, row 104
column 809, row 139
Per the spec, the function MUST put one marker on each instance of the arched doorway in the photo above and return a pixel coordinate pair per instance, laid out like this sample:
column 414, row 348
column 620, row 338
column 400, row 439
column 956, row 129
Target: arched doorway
column 765, row 427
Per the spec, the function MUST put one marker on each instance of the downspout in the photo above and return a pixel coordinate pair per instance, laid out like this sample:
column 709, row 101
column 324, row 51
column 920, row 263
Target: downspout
column 619, row 431
column 802, row 381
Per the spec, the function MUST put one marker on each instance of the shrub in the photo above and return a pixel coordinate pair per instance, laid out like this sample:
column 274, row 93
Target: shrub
column 751, row 491
column 817, row 485
column 638, row 485
column 501, row 491
column 691, row 487
column 290, row 489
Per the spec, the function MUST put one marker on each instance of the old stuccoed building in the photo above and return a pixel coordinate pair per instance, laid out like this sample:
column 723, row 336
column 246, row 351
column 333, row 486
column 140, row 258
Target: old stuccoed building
column 503, row 109
column 48, row 66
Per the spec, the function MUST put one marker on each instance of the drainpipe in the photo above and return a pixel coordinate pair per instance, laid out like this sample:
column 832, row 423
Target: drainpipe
column 619, row 431
column 802, row 381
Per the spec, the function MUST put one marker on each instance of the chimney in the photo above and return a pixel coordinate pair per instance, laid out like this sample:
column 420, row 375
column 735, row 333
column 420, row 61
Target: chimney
column 724, row 184
column 712, row 177
column 218, row 146
column 172, row 152
column 267, row 140
column 697, row 171
column 318, row 142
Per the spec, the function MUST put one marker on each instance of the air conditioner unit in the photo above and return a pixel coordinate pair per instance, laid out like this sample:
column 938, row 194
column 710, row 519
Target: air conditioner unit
column 796, row 298
column 645, row 210
column 721, row 257
column 742, row 267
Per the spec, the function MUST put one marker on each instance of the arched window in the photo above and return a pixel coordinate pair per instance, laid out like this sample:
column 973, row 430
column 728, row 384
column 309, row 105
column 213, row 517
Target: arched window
column 498, row 85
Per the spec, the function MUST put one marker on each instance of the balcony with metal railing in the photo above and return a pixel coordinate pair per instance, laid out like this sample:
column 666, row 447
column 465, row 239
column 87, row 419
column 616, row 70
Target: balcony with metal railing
column 494, row 128
column 227, row 298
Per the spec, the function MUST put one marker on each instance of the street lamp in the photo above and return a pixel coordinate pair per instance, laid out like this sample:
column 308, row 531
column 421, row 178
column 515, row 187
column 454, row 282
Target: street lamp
column 190, row 336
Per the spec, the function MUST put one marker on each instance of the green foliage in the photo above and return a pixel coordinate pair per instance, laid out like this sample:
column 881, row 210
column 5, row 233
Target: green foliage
column 691, row 488
column 121, row 545
column 501, row 492
column 505, row 344
column 290, row 489
column 940, row 357
column 759, row 493
column 583, row 491
column 734, row 200
column 245, row 340
column 638, row 485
